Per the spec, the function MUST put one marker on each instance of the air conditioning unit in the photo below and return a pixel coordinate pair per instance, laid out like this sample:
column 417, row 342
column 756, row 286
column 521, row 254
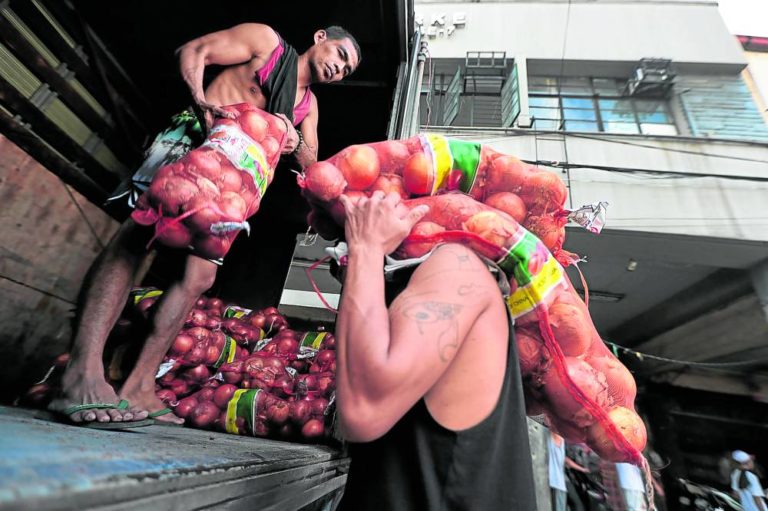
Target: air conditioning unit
column 651, row 78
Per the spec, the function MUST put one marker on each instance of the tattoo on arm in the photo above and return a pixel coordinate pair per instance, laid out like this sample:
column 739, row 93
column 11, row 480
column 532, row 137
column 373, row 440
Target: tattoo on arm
column 448, row 341
column 430, row 313
column 441, row 317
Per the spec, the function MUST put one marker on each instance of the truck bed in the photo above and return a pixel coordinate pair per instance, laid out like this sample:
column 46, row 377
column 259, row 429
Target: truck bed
column 47, row 465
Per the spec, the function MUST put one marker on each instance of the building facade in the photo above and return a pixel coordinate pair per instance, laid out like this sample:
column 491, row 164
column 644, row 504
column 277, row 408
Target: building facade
column 644, row 105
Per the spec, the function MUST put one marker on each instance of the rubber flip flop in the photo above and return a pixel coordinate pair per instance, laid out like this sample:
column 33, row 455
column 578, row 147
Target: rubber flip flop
column 122, row 405
column 160, row 413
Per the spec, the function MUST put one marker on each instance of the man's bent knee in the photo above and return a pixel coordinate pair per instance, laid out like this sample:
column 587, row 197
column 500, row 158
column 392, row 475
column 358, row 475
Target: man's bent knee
column 199, row 276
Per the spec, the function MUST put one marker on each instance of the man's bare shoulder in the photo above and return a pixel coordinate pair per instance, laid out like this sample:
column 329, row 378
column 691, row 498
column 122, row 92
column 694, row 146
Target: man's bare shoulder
column 452, row 263
column 453, row 273
column 261, row 38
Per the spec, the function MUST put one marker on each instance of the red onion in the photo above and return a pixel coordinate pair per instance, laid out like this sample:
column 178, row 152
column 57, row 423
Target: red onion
column 260, row 428
column 212, row 355
column 167, row 378
column 313, row 428
column 195, row 356
column 204, row 394
column 38, row 393
column 185, row 406
column 212, row 323
column 223, row 394
column 325, row 357
column 218, row 339
column 166, row 396
column 145, row 305
column 182, row 344
column 299, row 365
column 270, row 310
column 257, row 320
column 62, row 360
column 214, row 312
column 220, row 424
column 300, row 412
column 318, row 406
column 197, row 374
column 199, row 334
column 287, row 346
column 275, row 364
column 197, row 317
column 179, row 387
column 215, row 303
column 278, row 412
column 204, row 414
column 283, row 385
column 326, row 383
column 329, row 342
column 306, row 382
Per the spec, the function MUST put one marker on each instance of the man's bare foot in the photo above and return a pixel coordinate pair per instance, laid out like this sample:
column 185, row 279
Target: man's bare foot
column 80, row 389
column 149, row 401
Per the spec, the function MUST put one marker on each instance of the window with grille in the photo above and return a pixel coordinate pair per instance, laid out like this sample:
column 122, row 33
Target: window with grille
column 595, row 105
column 480, row 95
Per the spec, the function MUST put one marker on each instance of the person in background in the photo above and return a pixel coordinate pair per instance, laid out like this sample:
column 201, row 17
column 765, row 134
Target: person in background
column 557, row 462
column 632, row 486
column 261, row 69
column 429, row 391
column 745, row 483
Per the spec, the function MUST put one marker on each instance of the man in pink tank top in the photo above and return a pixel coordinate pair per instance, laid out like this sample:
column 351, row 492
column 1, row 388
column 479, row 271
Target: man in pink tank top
column 260, row 69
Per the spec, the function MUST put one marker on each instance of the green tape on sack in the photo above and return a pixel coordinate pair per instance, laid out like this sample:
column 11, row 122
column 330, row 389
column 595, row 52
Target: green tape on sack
column 466, row 159
column 228, row 352
column 312, row 341
column 242, row 405
column 233, row 311
column 516, row 262
column 243, row 152
column 139, row 294
column 528, row 254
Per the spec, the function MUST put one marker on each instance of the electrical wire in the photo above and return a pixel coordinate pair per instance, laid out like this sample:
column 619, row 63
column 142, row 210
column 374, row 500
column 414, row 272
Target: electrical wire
column 430, row 80
column 662, row 174
column 560, row 99
column 33, row 288
column 83, row 216
column 602, row 137
column 713, row 365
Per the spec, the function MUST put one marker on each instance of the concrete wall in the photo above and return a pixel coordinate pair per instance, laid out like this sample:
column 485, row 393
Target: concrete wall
column 686, row 32
column 756, row 77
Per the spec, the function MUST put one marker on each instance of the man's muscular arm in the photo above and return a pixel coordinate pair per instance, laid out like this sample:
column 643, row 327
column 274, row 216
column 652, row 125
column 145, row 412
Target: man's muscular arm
column 389, row 359
column 236, row 45
column 306, row 153
column 304, row 149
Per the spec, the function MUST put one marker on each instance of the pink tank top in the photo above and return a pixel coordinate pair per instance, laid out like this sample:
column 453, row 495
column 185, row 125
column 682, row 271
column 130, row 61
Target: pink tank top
column 301, row 110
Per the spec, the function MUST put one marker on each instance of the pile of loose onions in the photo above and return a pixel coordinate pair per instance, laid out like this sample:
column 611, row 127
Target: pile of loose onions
column 203, row 199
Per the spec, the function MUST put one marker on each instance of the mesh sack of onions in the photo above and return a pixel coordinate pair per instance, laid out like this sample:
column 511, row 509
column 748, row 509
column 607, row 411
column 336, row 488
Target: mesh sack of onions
column 286, row 388
column 203, row 200
column 222, row 373
column 586, row 394
column 264, row 394
column 570, row 377
column 427, row 165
